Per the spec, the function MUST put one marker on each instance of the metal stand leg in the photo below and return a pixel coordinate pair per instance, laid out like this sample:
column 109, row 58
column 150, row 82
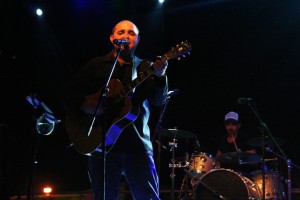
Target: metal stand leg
column 173, row 144
column 289, row 181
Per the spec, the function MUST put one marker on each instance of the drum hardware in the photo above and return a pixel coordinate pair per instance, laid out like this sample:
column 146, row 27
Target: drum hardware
column 173, row 145
column 174, row 133
column 158, row 128
column 253, row 162
column 268, row 140
column 180, row 162
column 176, row 163
column 183, row 162
column 289, row 163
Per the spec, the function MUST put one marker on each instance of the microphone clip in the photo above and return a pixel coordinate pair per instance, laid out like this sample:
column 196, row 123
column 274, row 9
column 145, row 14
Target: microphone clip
column 173, row 92
column 120, row 42
column 244, row 100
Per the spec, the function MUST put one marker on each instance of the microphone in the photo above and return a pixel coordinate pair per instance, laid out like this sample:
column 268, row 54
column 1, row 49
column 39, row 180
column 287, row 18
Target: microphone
column 120, row 42
column 173, row 92
column 244, row 100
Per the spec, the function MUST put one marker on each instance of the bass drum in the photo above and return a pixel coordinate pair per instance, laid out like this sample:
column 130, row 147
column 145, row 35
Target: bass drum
column 225, row 183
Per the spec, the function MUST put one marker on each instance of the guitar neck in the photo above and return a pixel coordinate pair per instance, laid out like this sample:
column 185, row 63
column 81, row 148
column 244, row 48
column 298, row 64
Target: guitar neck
column 134, row 83
column 175, row 52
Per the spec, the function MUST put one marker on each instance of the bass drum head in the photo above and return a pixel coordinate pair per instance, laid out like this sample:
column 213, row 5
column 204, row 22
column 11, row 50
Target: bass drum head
column 228, row 184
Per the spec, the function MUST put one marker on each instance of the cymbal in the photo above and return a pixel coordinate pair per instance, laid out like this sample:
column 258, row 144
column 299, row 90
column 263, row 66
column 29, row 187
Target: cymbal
column 238, row 158
column 175, row 133
column 257, row 142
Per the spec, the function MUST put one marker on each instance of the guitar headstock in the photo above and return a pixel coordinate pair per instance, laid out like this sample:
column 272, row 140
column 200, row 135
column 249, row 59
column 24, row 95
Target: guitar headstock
column 180, row 50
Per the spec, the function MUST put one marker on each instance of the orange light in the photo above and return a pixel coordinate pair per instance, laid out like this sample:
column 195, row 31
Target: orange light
column 47, row 190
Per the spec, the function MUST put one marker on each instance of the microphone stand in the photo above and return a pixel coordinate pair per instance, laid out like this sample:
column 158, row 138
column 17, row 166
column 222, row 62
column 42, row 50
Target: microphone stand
column 33, row 168
column 102, row 101
column 264, row 129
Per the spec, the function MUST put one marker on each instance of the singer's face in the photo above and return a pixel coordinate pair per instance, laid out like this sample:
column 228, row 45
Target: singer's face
column 126, row 30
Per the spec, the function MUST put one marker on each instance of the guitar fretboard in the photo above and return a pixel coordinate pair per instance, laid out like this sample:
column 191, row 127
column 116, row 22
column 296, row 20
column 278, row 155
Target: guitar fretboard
column 175, row 52
column 134, row 83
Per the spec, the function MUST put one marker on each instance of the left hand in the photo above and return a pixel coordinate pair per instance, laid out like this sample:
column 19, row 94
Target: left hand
column 160, row 66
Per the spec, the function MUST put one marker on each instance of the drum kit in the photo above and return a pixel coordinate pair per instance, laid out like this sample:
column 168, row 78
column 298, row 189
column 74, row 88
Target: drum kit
column 206, row 181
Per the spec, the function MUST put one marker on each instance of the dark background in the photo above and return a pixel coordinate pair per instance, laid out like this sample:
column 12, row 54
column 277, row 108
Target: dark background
column 240, row 48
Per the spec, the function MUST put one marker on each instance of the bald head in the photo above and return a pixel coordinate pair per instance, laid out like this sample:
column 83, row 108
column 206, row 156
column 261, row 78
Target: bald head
column 126, row 30
column 125, row 23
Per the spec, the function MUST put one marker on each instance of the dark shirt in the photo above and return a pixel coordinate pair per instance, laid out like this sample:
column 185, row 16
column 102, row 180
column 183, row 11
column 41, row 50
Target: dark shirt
column 241, row 142
column 245, row 162
column 135, row 137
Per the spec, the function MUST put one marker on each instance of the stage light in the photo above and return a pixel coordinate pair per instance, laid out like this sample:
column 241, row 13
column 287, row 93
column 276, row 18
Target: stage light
column 161, row 1
column 47, row 190
column 39, row 12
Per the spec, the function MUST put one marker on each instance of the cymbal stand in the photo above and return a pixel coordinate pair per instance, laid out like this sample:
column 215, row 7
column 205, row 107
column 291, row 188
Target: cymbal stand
column 173, row 145
column 264, row 129
column 156, row 132
column 289, row 166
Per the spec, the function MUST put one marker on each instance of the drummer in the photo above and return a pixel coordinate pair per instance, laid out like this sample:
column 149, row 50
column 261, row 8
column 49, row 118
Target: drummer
column 234, row 143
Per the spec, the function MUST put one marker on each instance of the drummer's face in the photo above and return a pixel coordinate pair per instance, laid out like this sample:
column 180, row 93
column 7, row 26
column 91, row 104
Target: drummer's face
column 232, row 128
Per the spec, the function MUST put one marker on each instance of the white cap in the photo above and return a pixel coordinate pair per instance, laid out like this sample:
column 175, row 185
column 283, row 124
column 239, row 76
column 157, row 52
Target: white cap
column 232, row 115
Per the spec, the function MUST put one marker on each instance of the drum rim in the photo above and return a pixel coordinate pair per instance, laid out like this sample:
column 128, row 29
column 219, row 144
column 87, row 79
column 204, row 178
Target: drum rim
column 202, row 153
column 245, row 180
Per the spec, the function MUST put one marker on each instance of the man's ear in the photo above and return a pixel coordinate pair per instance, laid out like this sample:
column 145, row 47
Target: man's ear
column 138, row 39
column 111, row 37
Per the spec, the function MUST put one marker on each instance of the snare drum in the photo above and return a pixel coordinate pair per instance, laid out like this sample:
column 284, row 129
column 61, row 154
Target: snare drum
column 202, row 162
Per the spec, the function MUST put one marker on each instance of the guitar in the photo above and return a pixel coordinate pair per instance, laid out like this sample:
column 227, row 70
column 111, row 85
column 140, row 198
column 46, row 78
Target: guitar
column 119, row 111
